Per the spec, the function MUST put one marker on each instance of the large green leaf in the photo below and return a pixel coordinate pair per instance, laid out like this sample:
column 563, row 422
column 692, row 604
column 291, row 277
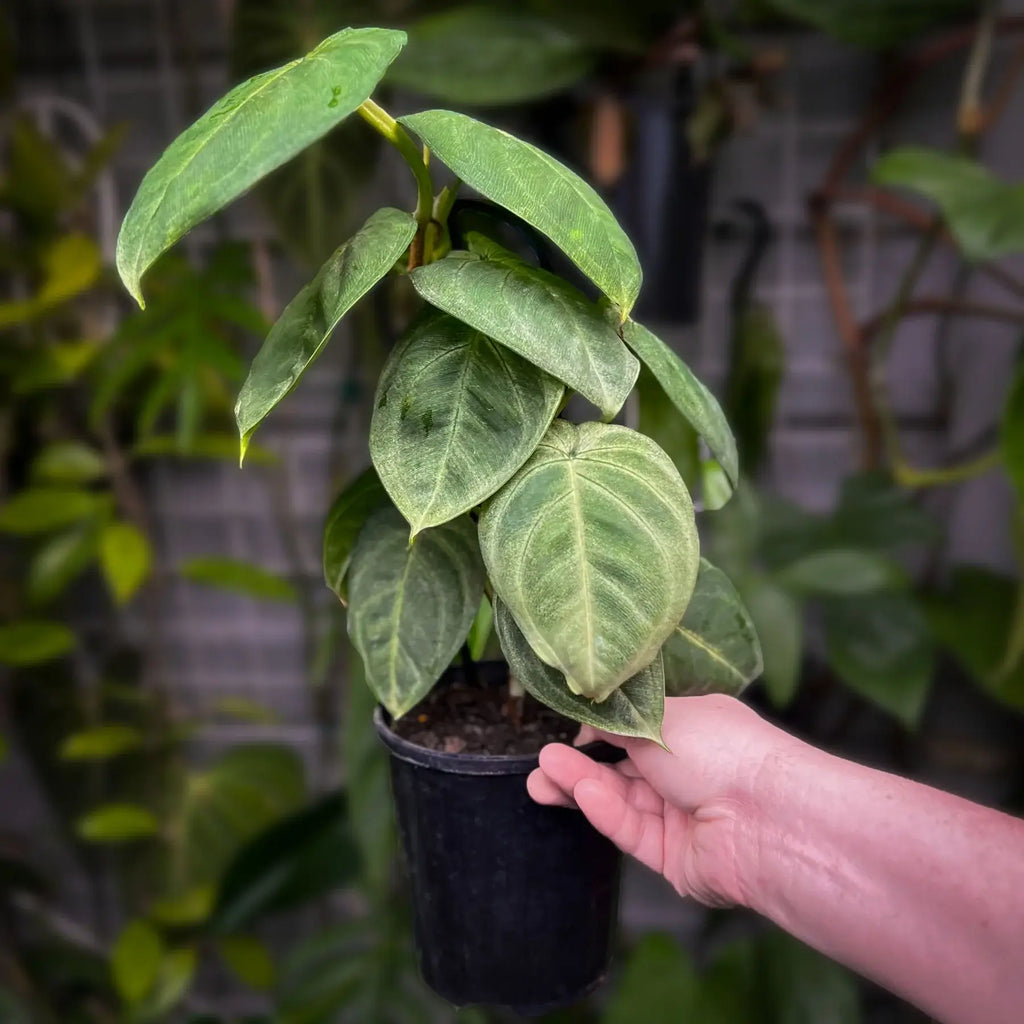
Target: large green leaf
column 308, row 320
column 256, row 127
column 34, row 641
column 699, row 407
column 412, row 603
column 874, row 23
column 537, row 315
column 352, row 507
column 636, row 708
column 540, row 190
column 984, row 213
column 714, row 649
column 1011, row 438
column 778, row 620
column 593, row 547
column 879, row 645
column 455, row 415
column 481, row 55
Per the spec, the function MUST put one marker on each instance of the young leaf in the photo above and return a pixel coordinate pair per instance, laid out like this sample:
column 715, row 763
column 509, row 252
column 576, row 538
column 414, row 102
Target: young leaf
column 350, row 510
column 42, row 509
column 32, row 642
column 455, row 415
column 240, row 577
column 480, row 631
column 126, row 559
column 256, row 127
column 100, row 743
column 117, row 823
column 538, row 316
column 693, row 400
column 135, row 961
column 483, row 56
column 305, row 326
column 634, row 709
column 412, row 603
column 69, row 462
column 593, row 547
column 984, row 213
column 714, row 649
column 541, row 191
column 779, row 623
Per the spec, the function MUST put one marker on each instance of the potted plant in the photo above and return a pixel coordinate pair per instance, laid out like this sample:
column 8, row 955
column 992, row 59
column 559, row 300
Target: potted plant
column 578, row 538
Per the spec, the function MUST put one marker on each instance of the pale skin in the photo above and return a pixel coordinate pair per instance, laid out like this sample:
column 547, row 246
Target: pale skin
column 921, row 891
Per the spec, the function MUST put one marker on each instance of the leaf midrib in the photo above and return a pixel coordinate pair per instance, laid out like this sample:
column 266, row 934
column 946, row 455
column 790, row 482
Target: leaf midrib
column 711, row 652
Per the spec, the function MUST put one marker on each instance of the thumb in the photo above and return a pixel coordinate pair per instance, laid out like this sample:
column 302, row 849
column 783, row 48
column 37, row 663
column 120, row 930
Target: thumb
column 635, row 832
column 591, row 734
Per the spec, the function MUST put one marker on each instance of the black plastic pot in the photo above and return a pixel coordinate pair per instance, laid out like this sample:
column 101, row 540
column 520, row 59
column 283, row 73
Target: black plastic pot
column 515, row 904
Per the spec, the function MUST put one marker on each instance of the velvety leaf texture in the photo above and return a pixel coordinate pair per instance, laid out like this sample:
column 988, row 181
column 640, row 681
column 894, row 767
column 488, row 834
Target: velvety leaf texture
column 634, row 709
column 256, row 127
column 540, row 190
column 310, row 318
column 412, row 604
column 356, row 503
column 537, row 315
column 455, row 415
column 593, row 547
column 714, row 649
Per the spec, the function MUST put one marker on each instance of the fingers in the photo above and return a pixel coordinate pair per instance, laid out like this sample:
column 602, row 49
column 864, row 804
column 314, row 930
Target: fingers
column 638, row 833
column 591, row 734
column 544, row 791
column 564, row 767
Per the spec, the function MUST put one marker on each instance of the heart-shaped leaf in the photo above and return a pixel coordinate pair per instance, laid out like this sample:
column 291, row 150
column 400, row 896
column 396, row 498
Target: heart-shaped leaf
column 694, row 401
column 456, row 414
column 594, row 548
column 256, row 127
column 537, row 315
column 714, row 648
column 308, row 320
column 349, row 512
column 412, row 603
column 540, row 190
column 634, row 709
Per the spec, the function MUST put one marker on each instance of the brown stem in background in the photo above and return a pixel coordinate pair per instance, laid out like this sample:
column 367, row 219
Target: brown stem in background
column 930, row 305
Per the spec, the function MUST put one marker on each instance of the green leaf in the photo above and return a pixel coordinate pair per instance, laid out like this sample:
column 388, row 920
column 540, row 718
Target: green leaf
column 34, row 641
column 352, row 507
column 240, row 577
column 714, row 649
column 693, row 400
column 634, row 709
column 841, row 573
column 298, row 859
column 202, row 446
column 984, row 213
column 177, row 970
column 310, row 318
column 256, row 127
column 191, row 907
column 242, row 709
column 480, row 631
column 135, row 961
column 250, row 961
column 126, row 559
column 69, row 462
column 880, row 647
column 101, row 742
column 455, row 415
column 412, row 603
column 660, row 421
column 1011, row 435
column 779, row 624
column 593, row 547
column 59, row 561
column 540, row 190
column 874, row 23
column 117, row 823
column 43, row 509
column 659, row 985
column 537, row 315
column 482, row 56
column 874, row 513
column 803, row 986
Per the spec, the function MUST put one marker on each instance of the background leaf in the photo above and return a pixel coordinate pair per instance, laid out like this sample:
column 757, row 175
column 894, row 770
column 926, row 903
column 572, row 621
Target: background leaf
column 350, row 510
column 126, row 559
column 34, row 641
column 249, row 960
column 69, row 462
column 135, row 961
column 1011, row 436
column 101, row 742
column 659, row 985
column 841, row 572
column 118, row 823
column 778, row 619
column 42, row 509
column 240, row 577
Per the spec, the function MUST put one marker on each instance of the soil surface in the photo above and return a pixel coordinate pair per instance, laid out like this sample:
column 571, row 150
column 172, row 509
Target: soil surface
column 463, row 719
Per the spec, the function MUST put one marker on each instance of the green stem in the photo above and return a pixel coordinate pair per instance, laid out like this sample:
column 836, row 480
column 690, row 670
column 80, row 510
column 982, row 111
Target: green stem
column 911, row 476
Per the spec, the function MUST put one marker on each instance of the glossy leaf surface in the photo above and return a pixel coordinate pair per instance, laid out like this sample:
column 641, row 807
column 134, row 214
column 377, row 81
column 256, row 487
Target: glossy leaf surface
column 538, row 316
column 636, row 708
column 412, row 604
column 543, row 192
column 593, row 547
column 455, row 415
column 310, row 318
column 256, row 127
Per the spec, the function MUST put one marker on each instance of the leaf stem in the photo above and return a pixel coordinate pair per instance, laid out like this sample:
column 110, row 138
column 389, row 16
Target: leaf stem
column 912, row 476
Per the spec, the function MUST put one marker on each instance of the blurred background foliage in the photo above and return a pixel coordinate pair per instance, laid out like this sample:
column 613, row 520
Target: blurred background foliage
column 196, row 864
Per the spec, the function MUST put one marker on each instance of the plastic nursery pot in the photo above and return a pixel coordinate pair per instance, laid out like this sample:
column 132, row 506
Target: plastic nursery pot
column 515, row 903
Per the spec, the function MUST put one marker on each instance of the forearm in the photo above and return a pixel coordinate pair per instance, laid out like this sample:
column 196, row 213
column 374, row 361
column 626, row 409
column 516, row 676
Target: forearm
column 914, row 888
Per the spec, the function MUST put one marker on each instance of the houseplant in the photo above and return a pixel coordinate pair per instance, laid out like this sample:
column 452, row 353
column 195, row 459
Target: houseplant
column 579, row 539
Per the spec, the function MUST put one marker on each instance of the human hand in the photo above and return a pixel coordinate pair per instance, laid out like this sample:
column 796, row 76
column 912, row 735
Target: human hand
column 690, row 812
